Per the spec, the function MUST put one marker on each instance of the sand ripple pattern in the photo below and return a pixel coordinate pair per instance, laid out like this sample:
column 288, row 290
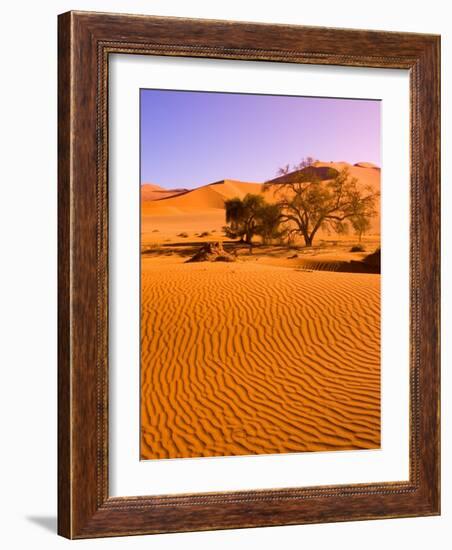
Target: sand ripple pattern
column 242, row 359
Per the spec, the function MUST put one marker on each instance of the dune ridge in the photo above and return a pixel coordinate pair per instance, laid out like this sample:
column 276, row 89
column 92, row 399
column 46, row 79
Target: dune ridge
column 244, row 359
column 208, row 200
column 206, row 197
column 153, row 192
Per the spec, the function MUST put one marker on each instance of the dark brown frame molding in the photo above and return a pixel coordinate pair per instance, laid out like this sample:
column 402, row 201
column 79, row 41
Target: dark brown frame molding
column 85, row 41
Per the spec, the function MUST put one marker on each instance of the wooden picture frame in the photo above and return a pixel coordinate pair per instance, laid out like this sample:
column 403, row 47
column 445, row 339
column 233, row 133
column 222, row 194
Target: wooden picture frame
column 85, row 42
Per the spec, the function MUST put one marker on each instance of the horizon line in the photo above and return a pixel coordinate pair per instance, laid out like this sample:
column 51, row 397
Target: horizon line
column 172, row 188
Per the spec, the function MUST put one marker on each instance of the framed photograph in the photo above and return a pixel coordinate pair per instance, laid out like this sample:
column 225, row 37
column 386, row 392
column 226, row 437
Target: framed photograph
column 248, row 275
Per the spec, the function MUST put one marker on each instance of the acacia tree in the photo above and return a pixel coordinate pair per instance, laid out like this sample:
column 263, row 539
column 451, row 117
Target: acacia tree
column 309, row 203
column 361, row 225
column 242, row 217
column 251, row 216
column 269, row 223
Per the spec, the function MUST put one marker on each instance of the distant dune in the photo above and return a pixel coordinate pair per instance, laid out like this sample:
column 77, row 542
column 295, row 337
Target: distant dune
column 319, row 171
column 366, row 172
column 205, row 197
column 367, row 165
column 196, row 210
column 152, row 192
column 244, row 359
column 181, row 207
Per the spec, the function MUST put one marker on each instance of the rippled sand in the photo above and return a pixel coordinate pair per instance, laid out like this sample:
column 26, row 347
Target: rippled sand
column 244, row 359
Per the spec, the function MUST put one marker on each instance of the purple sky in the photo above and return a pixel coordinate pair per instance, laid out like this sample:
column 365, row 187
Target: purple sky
column 190, row 139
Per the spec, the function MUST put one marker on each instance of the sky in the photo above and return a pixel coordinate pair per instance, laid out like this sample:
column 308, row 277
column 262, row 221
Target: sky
column 189, row 139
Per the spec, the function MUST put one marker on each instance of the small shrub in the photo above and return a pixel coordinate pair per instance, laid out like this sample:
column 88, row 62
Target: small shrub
column 357, row 248
column 204, row 234
column 155, row 231
column 183, row 235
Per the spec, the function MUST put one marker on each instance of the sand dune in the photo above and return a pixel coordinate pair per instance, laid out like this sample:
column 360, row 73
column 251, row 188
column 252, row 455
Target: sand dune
column 208, row 201
column 152, row 192
column 246, row 358
column 367, row 165
column 367, row 172
column 203, row 198
column 198, row 210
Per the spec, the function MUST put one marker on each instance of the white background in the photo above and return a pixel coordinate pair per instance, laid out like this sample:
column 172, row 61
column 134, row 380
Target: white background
column 129, row 476
column 28, row 271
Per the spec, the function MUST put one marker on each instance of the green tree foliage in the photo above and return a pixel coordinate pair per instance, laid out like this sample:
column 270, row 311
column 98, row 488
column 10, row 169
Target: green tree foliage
column 361, row 224
column 241, row 215
column 269, row 223
column 252, row 216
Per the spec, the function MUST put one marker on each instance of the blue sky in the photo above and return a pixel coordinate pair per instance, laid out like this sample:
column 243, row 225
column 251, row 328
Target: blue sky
column 190, row 139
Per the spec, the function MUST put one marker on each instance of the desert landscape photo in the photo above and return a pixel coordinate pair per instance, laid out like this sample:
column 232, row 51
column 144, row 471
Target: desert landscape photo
column 260, row 274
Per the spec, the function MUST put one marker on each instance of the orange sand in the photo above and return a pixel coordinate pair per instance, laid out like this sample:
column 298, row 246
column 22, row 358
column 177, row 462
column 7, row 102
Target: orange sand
column 258, row 356
column 152, row 192
column 244, row 359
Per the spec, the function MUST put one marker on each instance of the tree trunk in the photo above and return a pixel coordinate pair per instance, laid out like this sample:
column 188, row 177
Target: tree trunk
column 306, row 235
column 308, row 240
